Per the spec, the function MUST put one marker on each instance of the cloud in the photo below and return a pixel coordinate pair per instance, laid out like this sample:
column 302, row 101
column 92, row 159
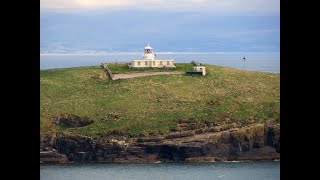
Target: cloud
column 83, row 4
column 175, row 5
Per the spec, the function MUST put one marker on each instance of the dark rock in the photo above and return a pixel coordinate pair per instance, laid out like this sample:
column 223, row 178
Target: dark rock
column 253, row 142
column 47, row 141
column 278, row 146
column 272, row 137
column 200, row 131
column 115, row 133
column 215, row 129
column 153, row 133
column 149, row 139
column 216, row 149
column 83, row 156
column 263, row 153
column 209, row 124
column 257, row 144
column 53, row 157
column 71, row 121
column 178, row 153
column 179, row 135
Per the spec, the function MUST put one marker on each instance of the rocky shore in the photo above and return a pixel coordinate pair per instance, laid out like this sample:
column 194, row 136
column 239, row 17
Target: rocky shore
column 205, row 142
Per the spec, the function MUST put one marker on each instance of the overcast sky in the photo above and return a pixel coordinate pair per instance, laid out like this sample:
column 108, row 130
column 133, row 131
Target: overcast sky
column 271, row 6
column 169, row 25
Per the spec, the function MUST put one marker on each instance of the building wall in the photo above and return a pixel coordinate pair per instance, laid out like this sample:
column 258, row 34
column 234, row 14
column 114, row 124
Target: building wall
column 152, row 63
column 148, row 56
column 200, row 68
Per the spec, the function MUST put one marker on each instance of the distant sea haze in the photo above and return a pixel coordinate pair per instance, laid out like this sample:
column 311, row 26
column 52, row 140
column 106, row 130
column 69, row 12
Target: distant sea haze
column 256, row 61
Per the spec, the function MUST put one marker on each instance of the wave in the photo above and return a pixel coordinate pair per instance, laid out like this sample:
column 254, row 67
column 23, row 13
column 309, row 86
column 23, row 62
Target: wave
column 232, row 161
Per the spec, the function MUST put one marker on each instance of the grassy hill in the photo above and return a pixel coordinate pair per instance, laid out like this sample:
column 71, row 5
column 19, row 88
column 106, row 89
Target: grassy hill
column 156, row 103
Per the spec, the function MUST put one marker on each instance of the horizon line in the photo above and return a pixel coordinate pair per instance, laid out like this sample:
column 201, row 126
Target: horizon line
column 129, row 53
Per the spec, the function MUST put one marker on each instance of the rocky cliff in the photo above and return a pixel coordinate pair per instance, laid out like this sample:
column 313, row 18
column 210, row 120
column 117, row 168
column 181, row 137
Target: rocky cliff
column 202, row 143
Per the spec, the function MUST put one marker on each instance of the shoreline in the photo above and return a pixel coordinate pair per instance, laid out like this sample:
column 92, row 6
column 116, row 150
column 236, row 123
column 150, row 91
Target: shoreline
column 161, row 162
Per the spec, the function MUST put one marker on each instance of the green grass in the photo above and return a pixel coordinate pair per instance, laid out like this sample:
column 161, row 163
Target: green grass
column 156, row 103
column 120, row 68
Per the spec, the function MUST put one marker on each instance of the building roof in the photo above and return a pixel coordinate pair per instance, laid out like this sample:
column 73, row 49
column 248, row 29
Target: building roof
column 148, row 47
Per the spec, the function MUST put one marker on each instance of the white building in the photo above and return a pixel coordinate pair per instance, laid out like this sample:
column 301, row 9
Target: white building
column 197, row 69
column 200, row 69
column 148, row 60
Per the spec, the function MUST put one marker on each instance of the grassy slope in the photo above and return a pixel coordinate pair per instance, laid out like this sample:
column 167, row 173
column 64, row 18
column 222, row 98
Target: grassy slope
column 157, row 102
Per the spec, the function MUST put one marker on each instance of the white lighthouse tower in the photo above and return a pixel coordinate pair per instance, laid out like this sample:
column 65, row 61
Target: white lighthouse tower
column 148, row 53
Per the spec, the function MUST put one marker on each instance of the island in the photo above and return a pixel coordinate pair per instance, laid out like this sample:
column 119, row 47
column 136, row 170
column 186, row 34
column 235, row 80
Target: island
column 228, row 114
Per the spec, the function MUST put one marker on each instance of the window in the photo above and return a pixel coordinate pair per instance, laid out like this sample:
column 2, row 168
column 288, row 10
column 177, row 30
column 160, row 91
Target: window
column 160, row 62
column 154, row 63
column 168, row 63
column 146, row 63
column 138, row 63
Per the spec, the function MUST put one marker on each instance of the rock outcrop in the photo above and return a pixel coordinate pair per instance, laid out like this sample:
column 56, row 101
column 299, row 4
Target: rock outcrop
column 258, row 141
column 53, row 157
column 71, row 121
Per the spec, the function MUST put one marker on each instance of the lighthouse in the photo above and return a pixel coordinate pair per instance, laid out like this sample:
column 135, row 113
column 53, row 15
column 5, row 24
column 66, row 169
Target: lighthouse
column 148, row 60
column 148, row 53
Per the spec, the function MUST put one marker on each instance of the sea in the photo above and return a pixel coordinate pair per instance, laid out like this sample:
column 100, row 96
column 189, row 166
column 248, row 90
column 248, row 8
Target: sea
column 235, row 170
column 254, row 61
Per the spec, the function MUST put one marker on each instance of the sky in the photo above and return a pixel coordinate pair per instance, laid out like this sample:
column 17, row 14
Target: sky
column 75, row 26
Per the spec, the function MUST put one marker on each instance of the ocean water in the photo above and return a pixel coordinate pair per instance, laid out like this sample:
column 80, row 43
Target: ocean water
column 256, row 61
column 246, row 170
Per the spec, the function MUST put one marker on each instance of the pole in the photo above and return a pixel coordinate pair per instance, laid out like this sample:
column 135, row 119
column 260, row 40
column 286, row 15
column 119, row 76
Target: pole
column 244, row 62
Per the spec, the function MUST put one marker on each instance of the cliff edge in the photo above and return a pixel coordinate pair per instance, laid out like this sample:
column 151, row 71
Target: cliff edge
column 255, row 142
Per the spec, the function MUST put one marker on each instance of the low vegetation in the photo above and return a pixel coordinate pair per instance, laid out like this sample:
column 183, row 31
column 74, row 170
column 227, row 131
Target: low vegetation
column 156, row 103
